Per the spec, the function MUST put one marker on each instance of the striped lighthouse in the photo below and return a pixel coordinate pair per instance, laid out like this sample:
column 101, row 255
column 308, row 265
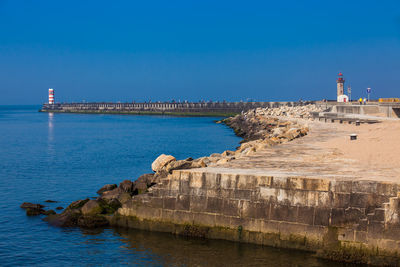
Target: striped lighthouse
column 51, row 96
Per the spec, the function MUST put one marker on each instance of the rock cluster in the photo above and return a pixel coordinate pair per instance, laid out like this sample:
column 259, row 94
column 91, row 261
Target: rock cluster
column 258, row 132
column 161, row 162
column 35, row 209
column 92, row 213
column 294, row 112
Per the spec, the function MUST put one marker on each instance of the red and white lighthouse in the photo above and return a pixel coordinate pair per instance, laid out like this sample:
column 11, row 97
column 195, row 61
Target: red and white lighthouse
column 340, row 84
column 341, row 97
column 51, row 96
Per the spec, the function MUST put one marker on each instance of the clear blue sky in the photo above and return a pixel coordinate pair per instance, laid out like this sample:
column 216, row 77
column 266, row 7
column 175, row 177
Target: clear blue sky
column 163, row 50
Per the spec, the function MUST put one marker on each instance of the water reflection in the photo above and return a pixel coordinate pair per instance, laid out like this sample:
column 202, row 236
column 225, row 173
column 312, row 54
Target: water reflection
column 170, row 250
column 50, row 134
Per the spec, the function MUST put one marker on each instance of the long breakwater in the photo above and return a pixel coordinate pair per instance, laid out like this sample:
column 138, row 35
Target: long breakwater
column 166, row 108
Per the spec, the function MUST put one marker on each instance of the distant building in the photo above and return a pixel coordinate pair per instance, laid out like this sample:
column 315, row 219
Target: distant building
column 342, row 98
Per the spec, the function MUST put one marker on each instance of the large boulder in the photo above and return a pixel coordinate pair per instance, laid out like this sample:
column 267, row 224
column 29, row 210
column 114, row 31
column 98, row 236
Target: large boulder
column 203, row 162
column 223, row 160
column 127, row 186
column 140, row 187
column 227, row 153
column 110, row 206
column 92, row 207
column 117, row 195
column 69, row 218
column 147, row 179
column 161, row 162
column 124, row 197
column 105, row 188
column 112, row 194
column 178, row 165
column 160, row 175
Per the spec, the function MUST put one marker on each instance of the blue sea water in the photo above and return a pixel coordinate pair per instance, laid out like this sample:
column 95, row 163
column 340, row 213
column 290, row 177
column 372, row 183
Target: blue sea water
column 65, row 157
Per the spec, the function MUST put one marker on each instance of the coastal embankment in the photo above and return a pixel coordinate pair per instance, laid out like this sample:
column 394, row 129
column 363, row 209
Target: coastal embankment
column 323, row 192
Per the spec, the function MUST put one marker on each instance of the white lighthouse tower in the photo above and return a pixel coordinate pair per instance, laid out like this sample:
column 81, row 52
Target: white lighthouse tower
column 51, row 96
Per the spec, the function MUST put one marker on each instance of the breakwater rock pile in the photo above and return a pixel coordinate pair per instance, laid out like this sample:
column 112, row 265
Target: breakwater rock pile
column 293, row 112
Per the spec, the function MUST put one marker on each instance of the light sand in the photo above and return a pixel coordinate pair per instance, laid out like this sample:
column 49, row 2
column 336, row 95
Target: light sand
column 377, row 145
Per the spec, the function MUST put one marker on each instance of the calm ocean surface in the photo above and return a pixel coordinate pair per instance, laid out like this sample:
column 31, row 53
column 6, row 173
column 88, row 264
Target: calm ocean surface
column 66, row 157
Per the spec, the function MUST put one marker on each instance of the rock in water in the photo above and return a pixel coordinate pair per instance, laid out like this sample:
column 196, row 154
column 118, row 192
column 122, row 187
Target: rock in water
column 49, row 212
column 34, row 212
column 161, row 162
column 33, row 209
column 28, row 205
column 69, row 218
column 50, row 201
column 105, row 188
column 92, row 221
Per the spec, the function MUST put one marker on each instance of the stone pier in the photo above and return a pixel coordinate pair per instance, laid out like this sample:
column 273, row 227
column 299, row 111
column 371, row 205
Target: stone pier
column 295, row 195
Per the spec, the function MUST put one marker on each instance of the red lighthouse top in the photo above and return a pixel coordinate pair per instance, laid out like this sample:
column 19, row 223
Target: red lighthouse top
column 340, row 78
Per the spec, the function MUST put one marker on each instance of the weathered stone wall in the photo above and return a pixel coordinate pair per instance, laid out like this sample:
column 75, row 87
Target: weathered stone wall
column 338, row 219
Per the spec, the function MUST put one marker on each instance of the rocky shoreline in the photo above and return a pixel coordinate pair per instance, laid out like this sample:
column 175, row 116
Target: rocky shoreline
column 260, row 129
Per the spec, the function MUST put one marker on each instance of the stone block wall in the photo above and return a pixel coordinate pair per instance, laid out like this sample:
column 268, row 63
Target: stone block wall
column 338, row 219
